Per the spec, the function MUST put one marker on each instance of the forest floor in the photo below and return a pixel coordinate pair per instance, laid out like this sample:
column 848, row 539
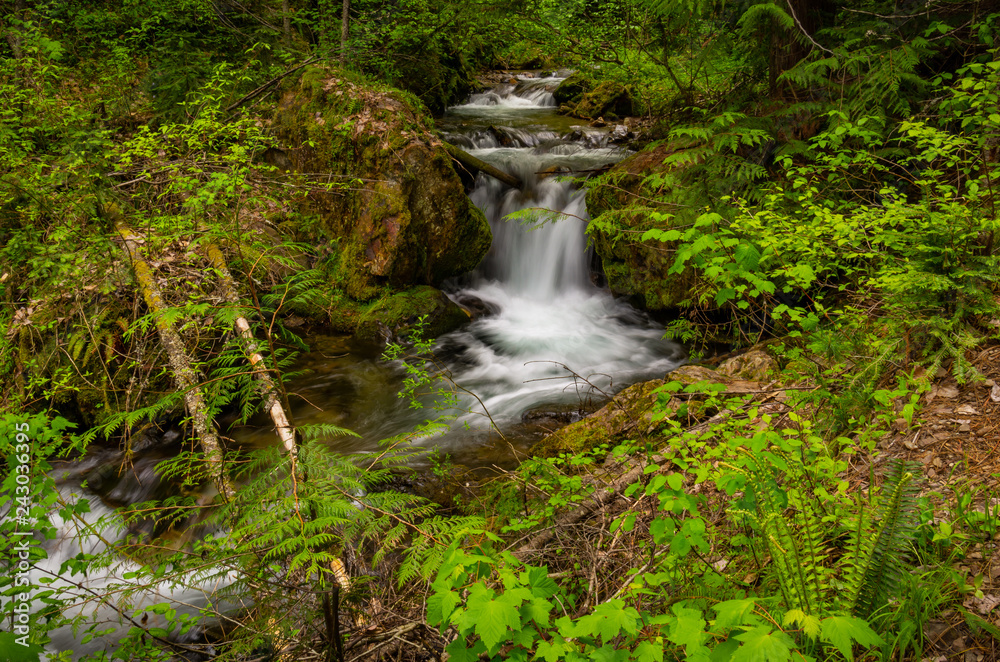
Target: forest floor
column 955, row 437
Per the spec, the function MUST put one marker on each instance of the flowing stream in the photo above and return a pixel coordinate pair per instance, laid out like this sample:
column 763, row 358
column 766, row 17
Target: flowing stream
column 545, row 338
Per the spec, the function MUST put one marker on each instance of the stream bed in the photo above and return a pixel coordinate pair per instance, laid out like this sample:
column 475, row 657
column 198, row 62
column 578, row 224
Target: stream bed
column 545, row 342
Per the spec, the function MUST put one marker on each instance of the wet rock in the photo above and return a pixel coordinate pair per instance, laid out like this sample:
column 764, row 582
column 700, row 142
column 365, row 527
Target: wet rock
column 473, row 306
column 502, row 136
column 754, row 365
column 620, row 134
column 394, row 316
column 582, row 96
column 412, row 223
column 550, row 417
column 599, row 123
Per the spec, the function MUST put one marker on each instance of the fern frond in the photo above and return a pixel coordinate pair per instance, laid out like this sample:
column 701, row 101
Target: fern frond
column 877, row 556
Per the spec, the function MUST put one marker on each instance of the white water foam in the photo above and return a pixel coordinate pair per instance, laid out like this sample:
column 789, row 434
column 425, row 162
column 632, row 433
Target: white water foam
column 555, row 330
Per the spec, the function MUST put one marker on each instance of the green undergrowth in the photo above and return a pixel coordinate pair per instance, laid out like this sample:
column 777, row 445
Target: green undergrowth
column 740, row 538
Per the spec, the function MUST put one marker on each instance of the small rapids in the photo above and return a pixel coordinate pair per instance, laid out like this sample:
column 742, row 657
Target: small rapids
column 552, row 333
column 106, row 595
column 545, row 338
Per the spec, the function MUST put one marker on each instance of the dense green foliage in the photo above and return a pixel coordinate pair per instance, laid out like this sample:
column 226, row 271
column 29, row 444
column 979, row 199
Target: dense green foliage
column 824, row 176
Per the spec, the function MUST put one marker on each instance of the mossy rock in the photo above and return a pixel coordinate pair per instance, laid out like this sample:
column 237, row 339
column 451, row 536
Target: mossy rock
column 628, row 416
column 400, row 313
column 639, row 270
column 571, row 90
column 396, row 213
column 610, row 100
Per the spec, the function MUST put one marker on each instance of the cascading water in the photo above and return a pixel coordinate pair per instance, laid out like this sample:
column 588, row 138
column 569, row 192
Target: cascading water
column 103, row 595
column 546, row 338
column 549, row 336
column 549, row 320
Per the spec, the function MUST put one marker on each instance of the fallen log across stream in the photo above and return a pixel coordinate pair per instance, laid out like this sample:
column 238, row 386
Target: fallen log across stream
column 180, row 363
column 187, row 380
column 267, row 386
column 471, row 162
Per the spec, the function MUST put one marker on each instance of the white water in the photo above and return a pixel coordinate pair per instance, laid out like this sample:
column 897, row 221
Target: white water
column 553, row 337
column 108, row 595
column 553, row 327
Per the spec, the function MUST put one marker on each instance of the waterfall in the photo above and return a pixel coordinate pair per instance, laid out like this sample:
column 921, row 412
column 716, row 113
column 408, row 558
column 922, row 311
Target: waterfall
column 553, row 332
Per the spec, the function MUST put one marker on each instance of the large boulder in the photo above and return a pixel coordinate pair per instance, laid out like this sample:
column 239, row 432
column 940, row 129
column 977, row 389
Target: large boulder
column 381, row 189
column 618, row 203
column 582, row 96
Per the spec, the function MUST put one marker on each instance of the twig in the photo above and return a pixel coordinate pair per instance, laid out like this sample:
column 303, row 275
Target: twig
column 260, row 90
column 803, row 30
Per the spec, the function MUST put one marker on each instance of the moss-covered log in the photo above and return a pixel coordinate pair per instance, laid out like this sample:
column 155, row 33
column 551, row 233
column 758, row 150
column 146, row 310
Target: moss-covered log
column 180, row 364
column 469, row 161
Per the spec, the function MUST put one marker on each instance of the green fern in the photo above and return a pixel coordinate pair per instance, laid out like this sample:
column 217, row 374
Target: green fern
column 877, row 549
column 790, row 521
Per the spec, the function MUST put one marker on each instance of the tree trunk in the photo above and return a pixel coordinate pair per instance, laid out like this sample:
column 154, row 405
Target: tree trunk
column 185, row 374
column 788, row 48
column 345, row 28
column 286, row 22
column 268, row 388
column 469, row 161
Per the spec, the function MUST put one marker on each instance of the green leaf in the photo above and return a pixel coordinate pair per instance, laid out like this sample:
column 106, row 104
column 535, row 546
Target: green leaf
column 732, row 613
column 723, row 295
column 440, row 606
column 762, row 644
column 15, row 652
column 808, row 623
column 647, row 651
column 608, row 653
column 614, row 617
column 747, row 256
column 492, row 619
column 689, row 628
column 844, row 631
column 724, row 651
column 541, row 584
column 553, row 651
column 537, row 610
column 459, row 653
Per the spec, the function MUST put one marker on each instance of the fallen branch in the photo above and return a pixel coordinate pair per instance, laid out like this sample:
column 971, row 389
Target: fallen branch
column 599, row 499
column 186, row 376
column 469, row 161
column 268, row 388
column 260, row 90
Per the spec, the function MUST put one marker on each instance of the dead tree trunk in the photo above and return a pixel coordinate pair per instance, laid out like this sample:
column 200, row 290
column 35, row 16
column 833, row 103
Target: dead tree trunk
column 187, row 377
column 470, row 161
column 268, row 388
column 345, row 29
column 286, row 21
